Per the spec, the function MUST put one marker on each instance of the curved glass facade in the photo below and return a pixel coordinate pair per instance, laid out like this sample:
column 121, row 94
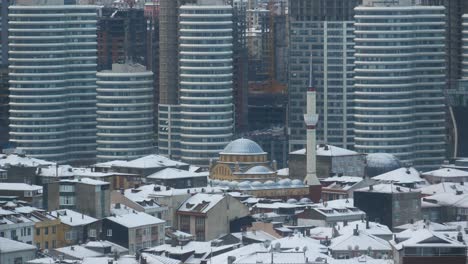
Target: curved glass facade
column 53, row 81
column 399, row 83
column 205, row 81
column 124, row 113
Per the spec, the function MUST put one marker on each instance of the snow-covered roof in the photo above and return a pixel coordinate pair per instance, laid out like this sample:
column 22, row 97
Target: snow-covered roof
column 422, row 224
column 283, row 172
column 238, row 253
column 78, row 252
column 427, row 238
column 299, row 240
column 174, row 173
column 67, row 171
column 150, row 161
column 444, row 187
column 362, row 240
column 401, row 175
column 375, row 229
column 343, row 179
column 73, row 218
column 200, row 202
column 153, row 190
column 328, row 150
column 87, row 181
column 276, row 205
column 6, row 186
column 386, row 188
column 20, row 160
column 135, row 219
column 255, row 235
column 448, row 199
column 259, row 169
column 104, row 243
column 446, row 173
column 8, row 245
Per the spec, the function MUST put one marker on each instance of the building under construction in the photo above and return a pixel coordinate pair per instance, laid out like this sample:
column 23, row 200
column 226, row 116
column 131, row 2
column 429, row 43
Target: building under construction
column 121, row 37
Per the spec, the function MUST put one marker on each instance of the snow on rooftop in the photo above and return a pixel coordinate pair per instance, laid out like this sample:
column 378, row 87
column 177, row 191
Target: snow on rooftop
column 73, row 218
column 153, row 190
column 78, row 252
column 328, row 150
column 283, row 172
column 427, row 238
column 8, row 245
column 343, row 179
column 448, row 199
column 6, row 186
column 401, row 175
column 375, row 229
column 362, row 240
column 20, row 160
column 135, row 219
column 444, row 187
column 150, row 161
column 446, row 172
column 200, row 202
column 276, row 205
column 87, row 181
column 386, row 188
column 238, row 253
column 421, row 224
column 258, row 235
column 174, row 173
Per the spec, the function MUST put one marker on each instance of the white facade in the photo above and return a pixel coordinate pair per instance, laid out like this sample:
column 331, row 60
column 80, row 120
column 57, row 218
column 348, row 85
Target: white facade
column 53, row 60
column 205, row 80
column 399, row 81
column 124, row 113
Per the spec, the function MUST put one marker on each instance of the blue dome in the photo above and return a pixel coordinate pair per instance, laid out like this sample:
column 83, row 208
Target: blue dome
column 259, row 170
column 243, row 146
column 380, row 163
column 296, row 182
column 285, row 182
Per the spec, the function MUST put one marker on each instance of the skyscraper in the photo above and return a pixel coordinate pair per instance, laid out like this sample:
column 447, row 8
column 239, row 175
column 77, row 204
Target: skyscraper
column 124, row 112
column 323, row 29
column 400, row 76
column 4, row 72
column 201, row 124
column 53, row 79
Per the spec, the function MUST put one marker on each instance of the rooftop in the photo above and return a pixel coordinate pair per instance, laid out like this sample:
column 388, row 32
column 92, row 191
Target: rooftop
column 242, row 146
column 150, row 161
column 328, row 150
column 386, row 188
column 174, row 173
column 5, row 186
column 135, row 219
column 21, row 161
column 87, row 181
column 446, row 173
column 73, row 218
column 361, row 241
column 8, row 245
column 200, row 202
column 401, row 176
column 427, row 238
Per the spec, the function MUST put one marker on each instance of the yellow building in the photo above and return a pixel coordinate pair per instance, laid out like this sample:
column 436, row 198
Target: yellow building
column 46, row 230
column 241, row 160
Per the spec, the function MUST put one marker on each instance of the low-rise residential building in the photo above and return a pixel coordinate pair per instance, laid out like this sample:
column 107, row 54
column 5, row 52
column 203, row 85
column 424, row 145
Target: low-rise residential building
column 47, row 229
column 92, row 249
column 179, row 179
column 21, row 168
column 446, row 175
column 15, row 252
column 342, row 187
column 207, row 216
column 16, row 226
column 389, row 204
column 357, row 243
column 134, row 231
column 427, row 246
column 120, row 202
column 26, row 192
column 76, row 228
column 447, row 206
column 407, row 177
column 329, row 213
column 87, row 196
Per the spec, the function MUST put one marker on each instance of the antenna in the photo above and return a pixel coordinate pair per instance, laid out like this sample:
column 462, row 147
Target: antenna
column 311, row 71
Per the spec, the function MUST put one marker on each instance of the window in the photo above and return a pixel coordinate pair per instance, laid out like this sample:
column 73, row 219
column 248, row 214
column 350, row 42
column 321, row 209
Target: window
column 92, row 232
column 38, row 245
column 200, row 228
column 46, row 245
column 46, row 230
column 38, row 231
column 109, row 232
column 185, row 223
column 29, row 231
column 54, row 244
column 54, row 229
column 67, row 200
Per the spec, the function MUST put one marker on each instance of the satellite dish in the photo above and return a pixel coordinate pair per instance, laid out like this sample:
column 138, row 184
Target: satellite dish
column 304, row 248
column 277, row 246
column 267, row 243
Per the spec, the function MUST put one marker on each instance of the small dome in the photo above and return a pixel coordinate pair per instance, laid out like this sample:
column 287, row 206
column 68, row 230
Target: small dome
column 296, row 182
column 233, row 184
column 256, row 184
column 269, row 183
column 259, row 170
column 305, row 200
column 224, row 183
column 244, row 184
column 292, row 201
column 215, row 182
column 242, row 146
column 380, row 163
column 285, row 182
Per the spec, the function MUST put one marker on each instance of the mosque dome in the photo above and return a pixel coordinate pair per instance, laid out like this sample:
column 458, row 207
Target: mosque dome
column 380, row 163
column 305, row 200
column 296, row 182
column 243, row 146
column 259, row 170
column 285, row 182
column 291, row 201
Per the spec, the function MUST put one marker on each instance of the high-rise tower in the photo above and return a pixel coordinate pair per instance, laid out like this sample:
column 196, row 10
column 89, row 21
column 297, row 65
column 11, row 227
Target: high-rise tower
column 52, row 75
column 400, row 76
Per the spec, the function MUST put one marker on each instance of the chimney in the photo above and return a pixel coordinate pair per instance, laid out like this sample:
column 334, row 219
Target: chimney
column 231, row 259
column 460, row 237
column 345, row 222
column 371, row 187
column 356, row 230
column 122, row 191
column 274, row 165
column 367, row 224
column 311, row 118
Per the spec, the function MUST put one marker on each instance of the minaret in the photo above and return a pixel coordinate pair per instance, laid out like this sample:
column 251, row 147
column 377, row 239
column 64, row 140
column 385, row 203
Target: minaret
column 311, row 119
